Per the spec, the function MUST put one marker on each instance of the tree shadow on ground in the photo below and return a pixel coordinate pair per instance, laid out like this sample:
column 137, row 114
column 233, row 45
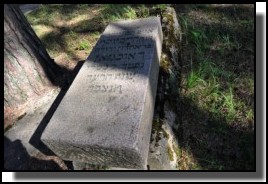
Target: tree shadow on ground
column 213, row 142
column 60, row 31
column 239, row 61
column 230, row 50
column 95, row 22
column 16, row 157
column 65, row 11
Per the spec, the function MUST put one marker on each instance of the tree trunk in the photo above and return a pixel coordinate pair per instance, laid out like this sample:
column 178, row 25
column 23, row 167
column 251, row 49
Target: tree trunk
column 28, row 69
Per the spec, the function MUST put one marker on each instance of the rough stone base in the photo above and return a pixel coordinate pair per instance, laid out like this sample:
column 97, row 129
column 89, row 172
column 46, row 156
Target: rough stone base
column 164, row 150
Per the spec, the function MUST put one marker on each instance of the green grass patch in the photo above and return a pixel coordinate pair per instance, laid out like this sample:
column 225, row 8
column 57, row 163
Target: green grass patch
column 83, row 45
column 71, row 29
column 218, row 85
column 114, row 12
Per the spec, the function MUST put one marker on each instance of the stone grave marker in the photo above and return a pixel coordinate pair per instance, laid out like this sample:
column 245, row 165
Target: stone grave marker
column 105, row 118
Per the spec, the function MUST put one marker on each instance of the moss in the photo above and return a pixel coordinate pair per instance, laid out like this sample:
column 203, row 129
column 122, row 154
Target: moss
column 176, row 149
column 174, row 94
column 169, row 75
column 157, row 125
column 170, row 153
column 169, row 33
column 166, row 135
column 157, row 139
column 157, row 130
column 165, row 63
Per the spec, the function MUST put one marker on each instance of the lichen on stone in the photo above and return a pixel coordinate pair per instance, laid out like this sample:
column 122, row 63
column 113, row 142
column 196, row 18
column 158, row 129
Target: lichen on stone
column 165, row 63
column 170, row 153
column 176, row 149
column 157, row 130
column 164, row 130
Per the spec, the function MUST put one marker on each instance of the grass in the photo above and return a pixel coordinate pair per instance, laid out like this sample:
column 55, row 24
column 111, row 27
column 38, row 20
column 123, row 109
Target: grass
column 74, row 29
column 217, row 86
column 114, row 12
column 83, row 45
column 66, row 29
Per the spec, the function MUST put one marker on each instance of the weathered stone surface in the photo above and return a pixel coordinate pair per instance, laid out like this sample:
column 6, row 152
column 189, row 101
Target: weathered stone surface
column 164, row 152
column 105, row 117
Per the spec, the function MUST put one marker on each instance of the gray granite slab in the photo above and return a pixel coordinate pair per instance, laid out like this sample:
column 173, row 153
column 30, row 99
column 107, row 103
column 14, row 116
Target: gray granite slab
column 106, row 116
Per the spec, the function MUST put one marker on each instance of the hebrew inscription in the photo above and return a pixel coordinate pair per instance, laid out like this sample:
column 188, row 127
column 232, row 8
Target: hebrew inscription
column 119, row 57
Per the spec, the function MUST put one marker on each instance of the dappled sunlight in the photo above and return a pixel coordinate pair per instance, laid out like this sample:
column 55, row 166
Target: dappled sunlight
column 61, row 34
column 74, row 29
column 76, row 20
column 217, row 85
column 42, row 30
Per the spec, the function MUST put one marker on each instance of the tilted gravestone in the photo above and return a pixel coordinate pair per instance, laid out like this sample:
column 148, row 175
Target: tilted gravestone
column 105, row 117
